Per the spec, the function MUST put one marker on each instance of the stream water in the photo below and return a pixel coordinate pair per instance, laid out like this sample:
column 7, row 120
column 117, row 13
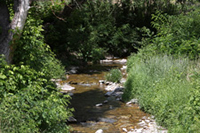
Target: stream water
column 112, row 117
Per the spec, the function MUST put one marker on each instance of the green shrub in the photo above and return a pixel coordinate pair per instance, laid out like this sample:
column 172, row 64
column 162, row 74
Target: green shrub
column 114, row 75
column 30, row 102
column 31, row 50
column 177, row 35
column 167, row 88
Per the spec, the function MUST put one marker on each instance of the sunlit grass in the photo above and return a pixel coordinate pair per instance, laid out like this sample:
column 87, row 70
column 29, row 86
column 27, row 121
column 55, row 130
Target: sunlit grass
column 164, row 86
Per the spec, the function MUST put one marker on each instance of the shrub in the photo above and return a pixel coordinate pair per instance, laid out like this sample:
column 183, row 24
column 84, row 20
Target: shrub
column 177, row 35
column 114, row 75
column 30, row 102
column 31, row 50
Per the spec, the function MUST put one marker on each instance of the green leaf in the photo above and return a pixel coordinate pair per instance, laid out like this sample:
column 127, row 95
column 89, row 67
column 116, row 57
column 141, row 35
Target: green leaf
column 2, row 77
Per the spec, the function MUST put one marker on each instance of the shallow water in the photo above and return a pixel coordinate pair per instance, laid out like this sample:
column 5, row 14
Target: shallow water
column 112, row 116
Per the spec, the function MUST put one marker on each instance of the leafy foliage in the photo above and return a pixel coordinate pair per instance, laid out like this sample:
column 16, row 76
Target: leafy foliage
column 30, row 102
column 112, row 27
column 114, row 75
column 31, row 50
column 177, row 35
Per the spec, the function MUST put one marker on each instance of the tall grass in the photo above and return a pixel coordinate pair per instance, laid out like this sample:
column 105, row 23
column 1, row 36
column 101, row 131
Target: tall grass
column 165, row 86
column 114, row 75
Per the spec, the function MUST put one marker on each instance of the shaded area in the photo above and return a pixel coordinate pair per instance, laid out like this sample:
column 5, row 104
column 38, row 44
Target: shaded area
column 97, row 68
column 85, row 105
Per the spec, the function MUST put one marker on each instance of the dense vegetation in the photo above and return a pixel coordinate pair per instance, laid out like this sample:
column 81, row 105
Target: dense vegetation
column 97, row 28
column 168, row 88
column 163, row 75
column 29, row 100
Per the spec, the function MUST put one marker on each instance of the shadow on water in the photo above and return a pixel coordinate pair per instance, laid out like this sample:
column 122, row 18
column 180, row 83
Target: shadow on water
column 97, row 68
column 85, row 105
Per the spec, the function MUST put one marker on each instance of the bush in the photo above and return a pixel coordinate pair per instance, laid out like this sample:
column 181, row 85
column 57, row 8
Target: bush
column 177, row 35
column 30, row 102
column 114, row 75
column 31, row 50
column 164, row 85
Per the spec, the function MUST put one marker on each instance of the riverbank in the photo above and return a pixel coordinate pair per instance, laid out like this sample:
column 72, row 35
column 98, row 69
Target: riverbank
column 167, row 88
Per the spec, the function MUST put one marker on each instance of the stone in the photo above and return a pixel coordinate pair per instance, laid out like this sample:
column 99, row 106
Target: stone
column 132, row 101
column 99, row 131
column 142, row 123
column 72, row 71
column 123, row 80
column 65, row 87
column 107, row 120
column 124, row 68
column 106, row 101
column 88, row 123
column 125, row 117
column 85, row 84
column 71, row 119
column 71, row 94
column 147, row 121
column 119, row 89
column 139, row 130
column 109, row 93
column 117, row 94
column 99, row 105
column 108, row 83
column 101, row 81
column 118, row 99
column 56, row 80
column 112, row 87
column 124, row 129
column 123, row 61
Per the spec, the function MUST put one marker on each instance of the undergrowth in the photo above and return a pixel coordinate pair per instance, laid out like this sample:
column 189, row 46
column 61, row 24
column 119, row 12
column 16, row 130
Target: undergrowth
column 30, row 102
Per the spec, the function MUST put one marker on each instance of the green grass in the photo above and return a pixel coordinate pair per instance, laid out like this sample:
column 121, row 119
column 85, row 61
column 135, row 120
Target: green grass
column 114, row 75
column 166, row 87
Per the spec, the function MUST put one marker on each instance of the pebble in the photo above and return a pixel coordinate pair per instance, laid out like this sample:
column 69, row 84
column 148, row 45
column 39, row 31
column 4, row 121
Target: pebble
column 124, row 129
column 99, row 131
column 71, row 119
column 132, row 101
column 106, row 101
column 99, row 105
column 149, row 125
column 101, row 81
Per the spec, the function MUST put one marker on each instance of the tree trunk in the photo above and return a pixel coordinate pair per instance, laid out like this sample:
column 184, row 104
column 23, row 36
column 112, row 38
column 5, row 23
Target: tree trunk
column 8, row 29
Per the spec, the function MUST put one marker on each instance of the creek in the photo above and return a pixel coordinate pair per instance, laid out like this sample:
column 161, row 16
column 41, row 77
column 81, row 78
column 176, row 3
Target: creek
column 93, row 110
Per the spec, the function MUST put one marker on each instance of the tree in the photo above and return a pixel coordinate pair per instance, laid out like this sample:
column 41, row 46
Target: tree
column 10, row 27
